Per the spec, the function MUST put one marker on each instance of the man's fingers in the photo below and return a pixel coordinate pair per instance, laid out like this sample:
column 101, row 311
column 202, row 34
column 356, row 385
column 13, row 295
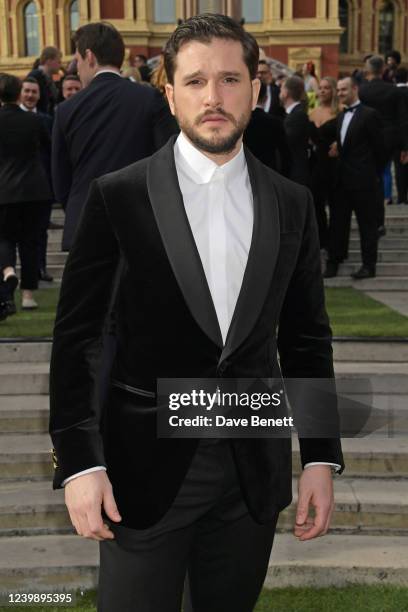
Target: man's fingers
column 110, row 506
column 97, row 530
column 320, row 526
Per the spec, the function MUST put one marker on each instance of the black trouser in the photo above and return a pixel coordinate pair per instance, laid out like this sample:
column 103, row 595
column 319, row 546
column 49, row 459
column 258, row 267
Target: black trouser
column 401, row 178
column 42, row 248
column 364, row 205
column 20, row 226
column 207, row 535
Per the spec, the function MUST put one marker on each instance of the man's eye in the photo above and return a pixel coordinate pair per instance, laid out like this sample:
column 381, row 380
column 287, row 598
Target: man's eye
column 194, row 82
column 231, row 80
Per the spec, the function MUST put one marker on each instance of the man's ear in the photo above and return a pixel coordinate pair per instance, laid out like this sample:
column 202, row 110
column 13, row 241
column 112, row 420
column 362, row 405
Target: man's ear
column 170, row 97
column 256, row 86
column 91, row 58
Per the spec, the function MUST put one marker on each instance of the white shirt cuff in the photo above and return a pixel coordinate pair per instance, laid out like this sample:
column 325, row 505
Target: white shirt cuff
column 97, row 468
column 336, row 467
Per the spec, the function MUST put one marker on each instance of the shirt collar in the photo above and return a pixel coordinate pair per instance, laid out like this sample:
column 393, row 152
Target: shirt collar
column 290, row 108
column 107, row 70
column 24, row 108
column 200, row 168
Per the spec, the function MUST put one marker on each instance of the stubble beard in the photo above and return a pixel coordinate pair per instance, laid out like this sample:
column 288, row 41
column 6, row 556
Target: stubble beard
column 215, row 144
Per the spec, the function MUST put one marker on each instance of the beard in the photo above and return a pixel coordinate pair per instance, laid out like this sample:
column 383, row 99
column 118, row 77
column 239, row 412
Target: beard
column 215, row 144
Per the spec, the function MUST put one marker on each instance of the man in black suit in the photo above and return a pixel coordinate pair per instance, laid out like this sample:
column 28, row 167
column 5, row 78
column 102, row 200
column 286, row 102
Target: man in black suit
column 30, row 97
column 265, row 137
column 24, row 193
column 385, row 99
column 401, row 169
column 195, row 225
column 271, row 103
column 298, row 128
column 106, row 126
column 50, row 64
column 360, row 150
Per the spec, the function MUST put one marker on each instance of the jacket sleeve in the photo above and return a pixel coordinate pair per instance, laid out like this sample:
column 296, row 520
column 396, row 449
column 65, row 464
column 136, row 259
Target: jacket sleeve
column 304, row 337
column 85, row 298
column 61, row 167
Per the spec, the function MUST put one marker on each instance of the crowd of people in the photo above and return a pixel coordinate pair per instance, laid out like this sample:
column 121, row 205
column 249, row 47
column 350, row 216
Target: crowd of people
column 62, row 128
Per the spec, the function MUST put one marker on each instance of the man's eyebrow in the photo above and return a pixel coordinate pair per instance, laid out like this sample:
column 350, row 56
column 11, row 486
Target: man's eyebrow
column 224, row 73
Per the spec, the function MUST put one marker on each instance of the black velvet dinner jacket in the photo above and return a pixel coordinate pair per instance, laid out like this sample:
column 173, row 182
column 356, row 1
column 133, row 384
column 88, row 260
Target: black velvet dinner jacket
column 166, row 326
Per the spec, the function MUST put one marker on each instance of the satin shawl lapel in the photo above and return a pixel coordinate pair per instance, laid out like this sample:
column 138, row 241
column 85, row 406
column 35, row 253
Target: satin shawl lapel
column 168, row 207
column 352, row 126
column 262, row 256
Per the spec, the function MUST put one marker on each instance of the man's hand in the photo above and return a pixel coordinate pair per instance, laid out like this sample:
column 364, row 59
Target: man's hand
column 84, row 497
column 333, row 150
column 404, row 157
column 315, row 488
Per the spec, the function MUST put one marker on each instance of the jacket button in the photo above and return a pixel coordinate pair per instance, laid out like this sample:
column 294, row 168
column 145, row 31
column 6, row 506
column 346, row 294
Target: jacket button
column 222, row 368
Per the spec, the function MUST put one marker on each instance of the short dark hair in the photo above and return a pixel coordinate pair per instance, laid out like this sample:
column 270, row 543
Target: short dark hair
column 142, row 57
column 30, row 79
column 204, row 28
column 401, row 75
column 105, row 42
column 375, row 65
column 395, row 55
column 71, row 77
column 295, row 86
column 10, row 88
column 49, row 53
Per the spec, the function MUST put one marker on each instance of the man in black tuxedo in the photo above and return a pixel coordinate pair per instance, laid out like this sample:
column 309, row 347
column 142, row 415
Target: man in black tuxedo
column 24, row 194
column 298, row 128
column 106, row 126
column 271, row 103
column 50, row 64
column 360, row 150
column 30, row 97
column 385, row 99
column 187, row 231
column 265, row 137
column 401, row 169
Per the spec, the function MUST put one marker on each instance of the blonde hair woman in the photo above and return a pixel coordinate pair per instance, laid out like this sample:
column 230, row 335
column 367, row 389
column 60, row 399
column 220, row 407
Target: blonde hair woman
column 328, row 106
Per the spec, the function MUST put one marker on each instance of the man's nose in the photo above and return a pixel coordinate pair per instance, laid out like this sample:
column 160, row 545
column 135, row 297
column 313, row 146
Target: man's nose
column 213, row 95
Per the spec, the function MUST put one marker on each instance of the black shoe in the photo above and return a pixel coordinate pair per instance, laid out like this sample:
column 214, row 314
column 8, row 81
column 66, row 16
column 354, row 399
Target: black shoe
column 55, row 226
column 381, row 231
column 44, row 276
column 364, row 272
column 7, row 290
column 389, row 202
column 331, row 269
column 3, row 311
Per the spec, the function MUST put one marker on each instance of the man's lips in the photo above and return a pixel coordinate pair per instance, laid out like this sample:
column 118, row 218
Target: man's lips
column 213, row 118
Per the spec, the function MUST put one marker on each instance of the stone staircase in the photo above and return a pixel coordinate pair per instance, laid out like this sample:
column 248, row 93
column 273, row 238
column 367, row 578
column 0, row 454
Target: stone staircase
column 392, row 267
column 40, row 550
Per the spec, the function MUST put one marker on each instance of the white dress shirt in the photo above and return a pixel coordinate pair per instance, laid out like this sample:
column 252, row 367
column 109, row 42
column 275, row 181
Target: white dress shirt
column 219, row 207
column 27, row 110
column 290, row 108
column 348, row 116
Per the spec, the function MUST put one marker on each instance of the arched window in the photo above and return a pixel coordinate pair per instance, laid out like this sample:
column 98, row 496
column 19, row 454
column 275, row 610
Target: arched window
column 386, row 28
column 73, row 21
column 31, row 30
column 344, row 23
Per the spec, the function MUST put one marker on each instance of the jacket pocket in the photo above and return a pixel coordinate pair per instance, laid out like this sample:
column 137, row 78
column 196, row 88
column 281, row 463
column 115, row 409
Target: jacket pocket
column 134, row 390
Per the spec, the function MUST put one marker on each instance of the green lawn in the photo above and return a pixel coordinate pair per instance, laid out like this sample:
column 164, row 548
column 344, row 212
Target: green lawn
column 355, row 598
column 352, row 313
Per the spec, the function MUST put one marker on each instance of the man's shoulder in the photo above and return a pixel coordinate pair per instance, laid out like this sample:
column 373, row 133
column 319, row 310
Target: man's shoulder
column 130, row 176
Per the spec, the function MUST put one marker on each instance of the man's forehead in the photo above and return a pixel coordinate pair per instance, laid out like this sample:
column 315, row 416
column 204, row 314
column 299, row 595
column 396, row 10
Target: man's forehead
column 215, row 52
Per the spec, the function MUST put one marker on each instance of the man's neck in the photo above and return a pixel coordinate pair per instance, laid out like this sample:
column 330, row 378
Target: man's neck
column 219, row 158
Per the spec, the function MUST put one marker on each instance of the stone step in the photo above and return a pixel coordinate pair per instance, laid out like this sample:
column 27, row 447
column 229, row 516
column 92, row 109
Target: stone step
column 338, row 560
column 396, row 209
column 383, row 269
column 389, row 350
column 385, row 243
column 384, row 283
column 54, row 257
column 390, row 221
column 44, row 563
column 24, row 378
column 384, row 256
column 29, row 508
column 17, row 352
column 25, row 414
column 48, row 563
column 28, row 457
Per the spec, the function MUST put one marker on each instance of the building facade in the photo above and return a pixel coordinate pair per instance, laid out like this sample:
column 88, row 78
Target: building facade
column 291, row 31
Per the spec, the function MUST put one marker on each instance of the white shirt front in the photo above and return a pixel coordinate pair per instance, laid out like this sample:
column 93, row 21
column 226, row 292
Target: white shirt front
column 27, row 110
column 219, row 207
column 290, row 108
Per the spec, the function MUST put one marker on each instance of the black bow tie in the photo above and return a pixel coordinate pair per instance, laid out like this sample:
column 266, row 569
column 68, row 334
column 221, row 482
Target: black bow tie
column 351, row 109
